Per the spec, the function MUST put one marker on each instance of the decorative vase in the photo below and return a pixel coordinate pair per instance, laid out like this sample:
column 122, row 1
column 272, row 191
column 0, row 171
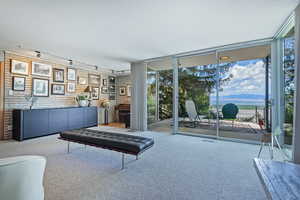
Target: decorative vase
column 83, row 103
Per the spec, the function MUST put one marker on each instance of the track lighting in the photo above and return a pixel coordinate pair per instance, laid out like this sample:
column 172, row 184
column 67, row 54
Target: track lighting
column 38, row 54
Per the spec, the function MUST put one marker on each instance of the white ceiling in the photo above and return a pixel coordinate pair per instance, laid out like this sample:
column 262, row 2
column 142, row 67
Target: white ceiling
column 114, row 33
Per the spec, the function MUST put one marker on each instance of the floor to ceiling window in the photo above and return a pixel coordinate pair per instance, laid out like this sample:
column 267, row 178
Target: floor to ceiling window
column 288, row 88
column 160, row 95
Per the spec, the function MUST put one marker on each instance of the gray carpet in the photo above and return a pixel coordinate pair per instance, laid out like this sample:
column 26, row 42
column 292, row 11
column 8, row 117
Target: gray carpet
column 177, row 167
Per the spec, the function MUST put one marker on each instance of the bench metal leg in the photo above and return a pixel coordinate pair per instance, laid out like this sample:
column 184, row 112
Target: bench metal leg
column 261, row 146
column 123, row 160
column 68, row 147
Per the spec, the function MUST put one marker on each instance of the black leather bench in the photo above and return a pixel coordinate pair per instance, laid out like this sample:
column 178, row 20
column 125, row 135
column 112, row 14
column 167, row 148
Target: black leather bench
column 124, row 143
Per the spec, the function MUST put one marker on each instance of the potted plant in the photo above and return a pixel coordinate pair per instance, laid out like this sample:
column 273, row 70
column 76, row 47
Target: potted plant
column 105, row 104
column 82, row 100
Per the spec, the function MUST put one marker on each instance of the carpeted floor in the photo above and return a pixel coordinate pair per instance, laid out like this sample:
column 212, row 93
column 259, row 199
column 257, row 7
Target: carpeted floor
column 177, row 167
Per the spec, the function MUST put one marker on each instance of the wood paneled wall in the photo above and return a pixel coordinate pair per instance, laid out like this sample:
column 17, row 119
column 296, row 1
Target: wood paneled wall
column 17, row 100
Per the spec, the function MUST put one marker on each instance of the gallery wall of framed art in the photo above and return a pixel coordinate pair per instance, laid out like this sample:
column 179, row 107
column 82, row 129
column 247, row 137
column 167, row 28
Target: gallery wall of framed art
column 53, row 84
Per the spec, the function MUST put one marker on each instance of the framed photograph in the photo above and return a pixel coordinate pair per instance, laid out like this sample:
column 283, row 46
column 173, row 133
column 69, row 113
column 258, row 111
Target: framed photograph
column 112, row 89
column 104, row 90
column 41, row 69
column 112, row 80
column 71, row 74
column 18, row 67
column 104, row 82
column 129, row 90
column 95, row 93
column 112, row 97
column 71, row 87
column 58, row 89
column 19, row 83
column 82, row 81
column 94, row 79
column 122, row 91
column 58, row 75
column 40, row 87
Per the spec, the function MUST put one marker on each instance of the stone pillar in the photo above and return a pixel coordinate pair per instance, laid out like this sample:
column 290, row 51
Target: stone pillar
column 138, row 116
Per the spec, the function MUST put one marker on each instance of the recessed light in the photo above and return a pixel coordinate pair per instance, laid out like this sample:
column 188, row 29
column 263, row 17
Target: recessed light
column 224, row 58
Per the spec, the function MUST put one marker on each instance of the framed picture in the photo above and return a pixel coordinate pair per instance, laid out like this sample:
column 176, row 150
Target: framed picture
column 104, row 82
column 95, row 93
column 71, row 87
column 71, row 74
column 82, row 81
column 104, row 90
column 122, row 91
column 18, row 67
column 112, row 97
column 59, row 75
column 58, row 89
column 41, row 69
column 19, row 83
column 40, row 87
column 112, row 80
column 129, row 90
column 94, row 79
column 112, row 89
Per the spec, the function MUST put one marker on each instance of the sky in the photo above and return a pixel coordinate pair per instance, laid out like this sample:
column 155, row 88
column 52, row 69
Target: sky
column 248, row 78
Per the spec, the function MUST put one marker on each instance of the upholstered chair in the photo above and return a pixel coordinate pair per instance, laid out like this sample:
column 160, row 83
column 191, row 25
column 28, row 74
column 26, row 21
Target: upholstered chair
column 21, row 178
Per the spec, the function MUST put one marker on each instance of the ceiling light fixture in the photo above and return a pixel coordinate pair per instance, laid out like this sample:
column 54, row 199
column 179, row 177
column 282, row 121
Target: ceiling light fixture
column 38, row 54
column 224, row 58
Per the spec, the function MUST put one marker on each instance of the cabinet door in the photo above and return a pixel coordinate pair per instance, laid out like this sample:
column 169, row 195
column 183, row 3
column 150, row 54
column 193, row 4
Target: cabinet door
column 91, row 116
column 36, row 123
column 58, row 120
column 76, row 118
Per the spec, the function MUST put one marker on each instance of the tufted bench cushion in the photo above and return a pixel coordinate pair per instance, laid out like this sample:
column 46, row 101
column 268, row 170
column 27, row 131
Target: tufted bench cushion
column 116, row 141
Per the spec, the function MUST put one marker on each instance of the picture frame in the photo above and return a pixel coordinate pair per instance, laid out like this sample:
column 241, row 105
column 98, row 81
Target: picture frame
column 18, row 83
column 129, row 88
column 112, row 80
column 71, row 75
column 58, row 75
column 19, row 67
column 41, row 69
column 112, row 97
column 71, row 87
column 94, row 79
column 58, row 89
column 104, row 90
column 112, row 89
column 82, row 81
column 104, row 82
column 40, row 87
column 122, row 91
column 95, row 93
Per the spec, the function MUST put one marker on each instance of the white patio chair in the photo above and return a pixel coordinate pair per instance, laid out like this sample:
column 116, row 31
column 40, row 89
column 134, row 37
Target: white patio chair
column 190, row 108
column 21, row 178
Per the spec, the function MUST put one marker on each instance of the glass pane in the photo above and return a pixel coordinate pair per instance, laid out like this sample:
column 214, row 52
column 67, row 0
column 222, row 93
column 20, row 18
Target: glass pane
column 289, row 89
column 243, row 93
column 197, row 95
column 160, row 96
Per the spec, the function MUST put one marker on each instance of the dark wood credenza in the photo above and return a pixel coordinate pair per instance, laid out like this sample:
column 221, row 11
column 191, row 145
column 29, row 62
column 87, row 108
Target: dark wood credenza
column 40, row 122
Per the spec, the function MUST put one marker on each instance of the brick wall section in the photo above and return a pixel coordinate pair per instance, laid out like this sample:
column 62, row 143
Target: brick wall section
column 123, row 81
column 17, row 100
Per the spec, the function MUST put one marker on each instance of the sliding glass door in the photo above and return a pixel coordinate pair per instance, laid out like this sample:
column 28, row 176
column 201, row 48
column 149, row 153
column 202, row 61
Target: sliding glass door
column 197, row 83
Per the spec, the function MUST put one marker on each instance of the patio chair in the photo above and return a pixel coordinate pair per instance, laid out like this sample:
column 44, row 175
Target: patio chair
column 229, row 112
column 193, row 115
